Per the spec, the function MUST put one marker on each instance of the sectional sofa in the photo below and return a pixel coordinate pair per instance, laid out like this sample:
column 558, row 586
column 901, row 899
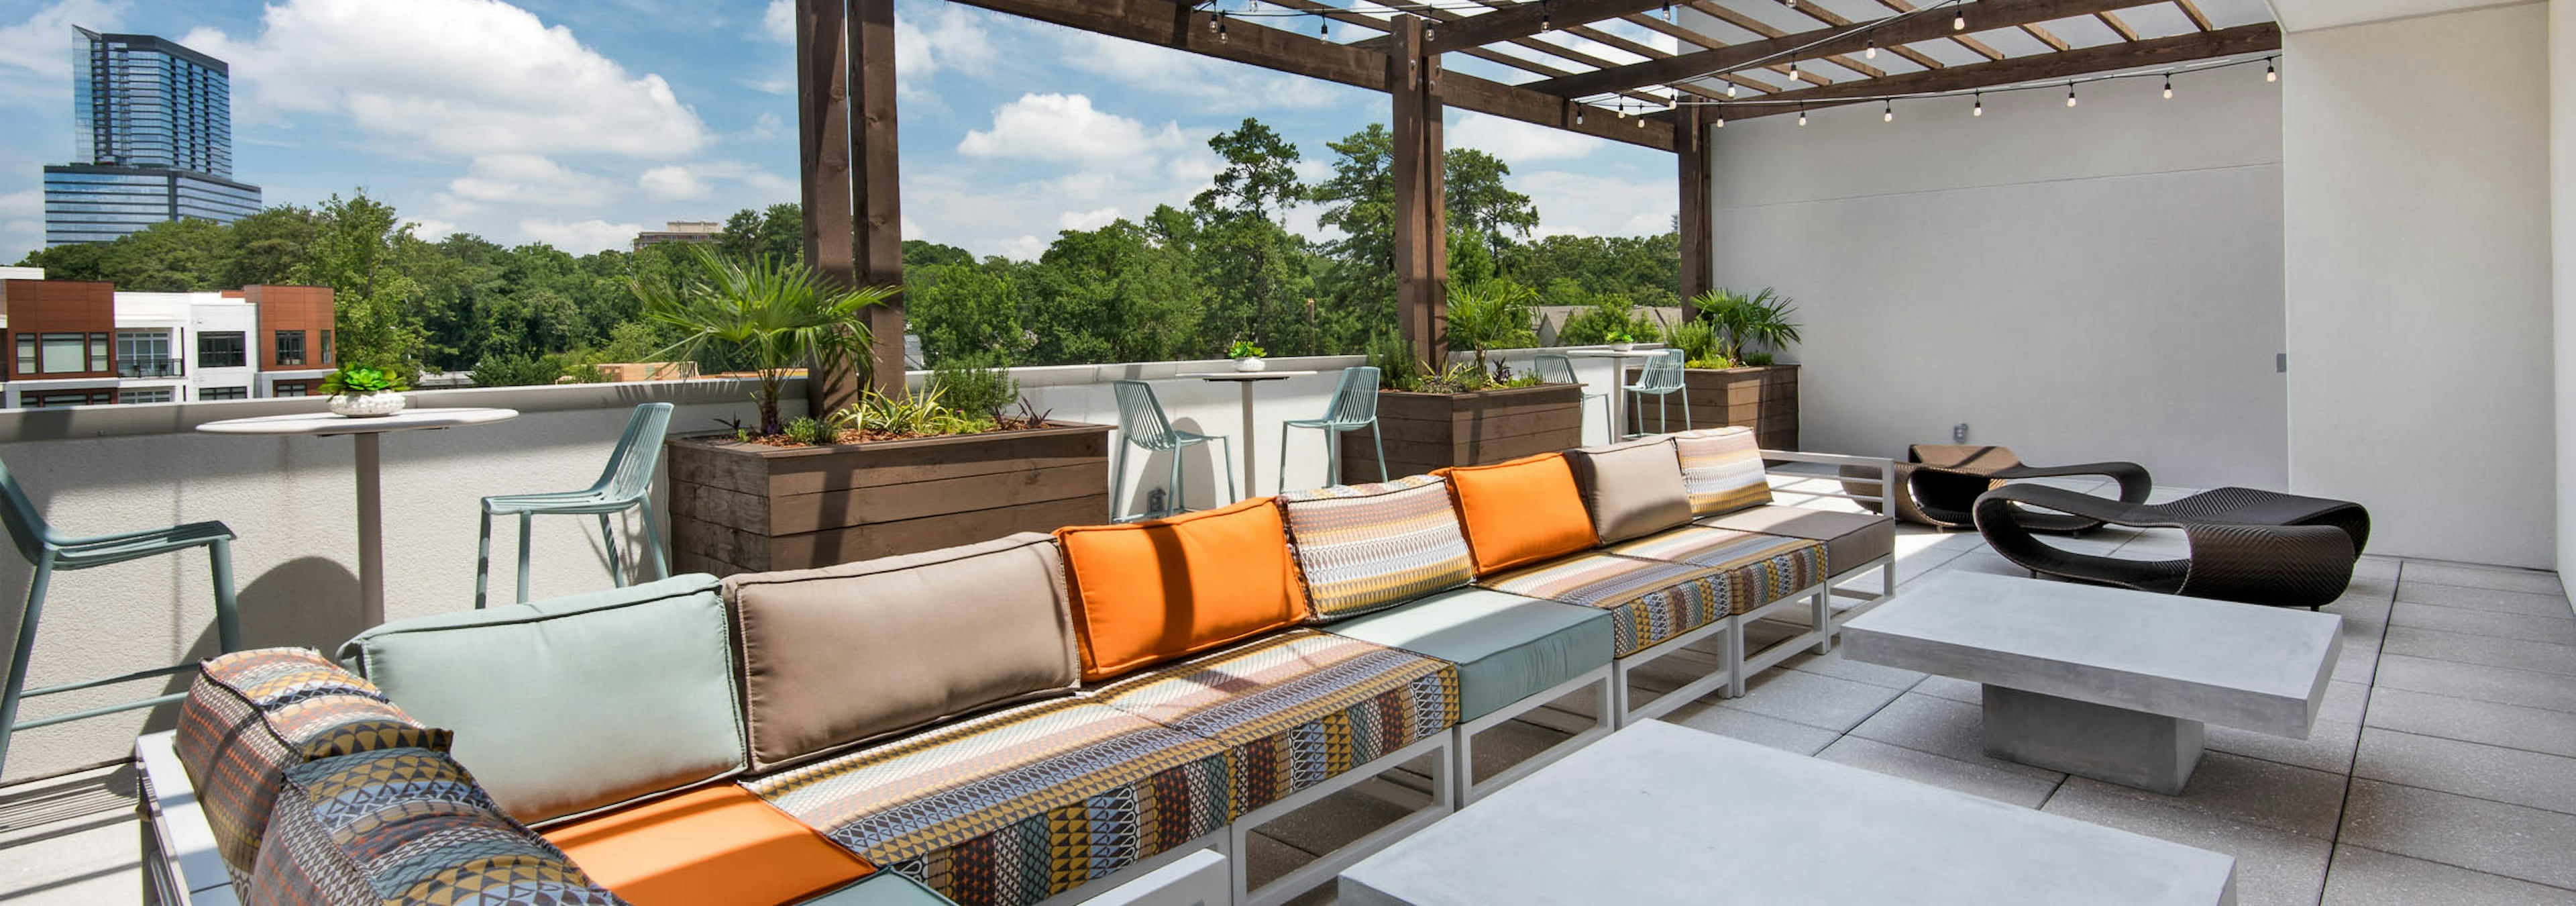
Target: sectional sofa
column 1031, row 719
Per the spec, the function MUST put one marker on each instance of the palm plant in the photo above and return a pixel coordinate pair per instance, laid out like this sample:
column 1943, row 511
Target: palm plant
column 775, row 315
column 1759, row 321
column 1492, row 314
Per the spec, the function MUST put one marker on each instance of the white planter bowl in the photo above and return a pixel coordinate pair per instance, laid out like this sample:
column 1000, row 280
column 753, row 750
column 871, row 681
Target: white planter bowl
column 372, row 405
column 1622, row 347
column 1249, row 365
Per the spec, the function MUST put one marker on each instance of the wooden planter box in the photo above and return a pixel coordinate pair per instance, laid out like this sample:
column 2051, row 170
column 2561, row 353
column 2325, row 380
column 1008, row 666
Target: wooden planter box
column 1426, row 431
column 739, row 507
column 1763, row 398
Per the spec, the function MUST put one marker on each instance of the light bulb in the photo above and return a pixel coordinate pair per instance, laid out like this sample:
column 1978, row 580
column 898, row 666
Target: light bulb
column 2271, row 73
column 1641, row 122
column 1721, row 121
column 2169, row 88
column 1324, row 28
column 1802, row 115
column 2070, row 95
column 1220, row 29
column 1872, row 53
column 1578, row 116
column 1668, row 12
column 1793, row 71
column 1980, row 109
column 1888, row 115
column 1217, row 23
column 1730, row 90
column 1959, row 22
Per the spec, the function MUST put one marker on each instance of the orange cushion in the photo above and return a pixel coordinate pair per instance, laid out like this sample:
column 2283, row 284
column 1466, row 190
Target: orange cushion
column 1152, row 591
column 712, row 846
column 1520, row 512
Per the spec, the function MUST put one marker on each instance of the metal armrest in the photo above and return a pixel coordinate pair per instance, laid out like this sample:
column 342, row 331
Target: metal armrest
column 1886, row 471
column 180, row 861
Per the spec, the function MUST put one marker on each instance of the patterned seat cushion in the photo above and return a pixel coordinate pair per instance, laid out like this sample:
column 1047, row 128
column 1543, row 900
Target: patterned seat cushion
column 1650, row 601
column 1297, row 708
column 1850, row 539
column 1754, row 569
column 1368, row 547
column 406, row 826
column 1722, row 467
column 253, row 714
column 1014, row 806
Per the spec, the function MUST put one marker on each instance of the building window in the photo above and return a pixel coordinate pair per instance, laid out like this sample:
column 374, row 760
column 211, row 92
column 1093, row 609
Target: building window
column 290, row 347
column 154, row 395
column 64, row 353
column 98, row 352
column 145, row 354
column 211, row 394
column 26, row 354
column 288, row 388
column 70, row 398
column 326, row 348
column 222, row 350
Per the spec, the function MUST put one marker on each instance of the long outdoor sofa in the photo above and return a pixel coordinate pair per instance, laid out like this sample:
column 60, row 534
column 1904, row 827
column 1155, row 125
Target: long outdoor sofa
column 1031, row 719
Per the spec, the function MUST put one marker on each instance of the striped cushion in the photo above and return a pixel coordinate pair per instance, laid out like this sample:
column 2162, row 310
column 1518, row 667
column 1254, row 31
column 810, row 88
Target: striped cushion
column 253, row 714
column 1013, row 806
column 1296, row 708
column 406, row 826
column 1722, row 468
column 1650, row 601
column 1757, row 569
column 1373, row 546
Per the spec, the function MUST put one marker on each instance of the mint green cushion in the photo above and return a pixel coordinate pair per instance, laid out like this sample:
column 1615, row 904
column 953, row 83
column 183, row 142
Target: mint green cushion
column 885, row 888
column 572, row 705
column 1507, row 647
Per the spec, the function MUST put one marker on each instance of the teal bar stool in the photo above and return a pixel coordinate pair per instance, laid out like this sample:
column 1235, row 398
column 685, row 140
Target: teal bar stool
column 1354, row 407
column 1141, row 423
column 1557, row 369
column 51, row 551
column 626, row 484
column 1661, row 378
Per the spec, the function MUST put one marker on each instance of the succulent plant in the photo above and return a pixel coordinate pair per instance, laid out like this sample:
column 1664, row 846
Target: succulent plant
column 361, row 381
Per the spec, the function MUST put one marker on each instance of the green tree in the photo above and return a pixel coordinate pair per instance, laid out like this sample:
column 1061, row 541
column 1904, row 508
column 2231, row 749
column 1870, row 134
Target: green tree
column 356, row 252
column 269, row 246
column 776, row 232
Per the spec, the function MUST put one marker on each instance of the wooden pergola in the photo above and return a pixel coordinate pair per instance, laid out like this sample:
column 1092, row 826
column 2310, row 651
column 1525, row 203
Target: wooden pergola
column 846, row 84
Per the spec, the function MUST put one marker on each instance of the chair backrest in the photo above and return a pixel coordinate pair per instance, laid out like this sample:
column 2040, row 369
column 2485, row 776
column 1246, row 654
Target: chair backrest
column 1556, row 369
column 1355, row 401
column 27, row 527
column 1663, row 372
column 639, row 450
column 1140, row 415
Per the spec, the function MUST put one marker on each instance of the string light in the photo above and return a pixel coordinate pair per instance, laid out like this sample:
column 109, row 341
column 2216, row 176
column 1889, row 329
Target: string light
column 1218, row 22
column 1980, row 109
column 1545, row 21
column 2070, row 94
column 2271, row 73
column 1721, row 121
column 1793, row 71
column 1668, row 12
column 1872, row 52
column 2168, row 86
column 1578, row 114
column 1324, row 28
column 1959, row 21
column 1888, row 115
column 1730, row 90
column 1802, row 114
column 1220, row 29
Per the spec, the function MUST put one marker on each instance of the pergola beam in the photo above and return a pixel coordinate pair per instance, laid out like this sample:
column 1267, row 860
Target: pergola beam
column 2035, row 68
column 1173, row 25
column 1982, row 15
column 1520, row 20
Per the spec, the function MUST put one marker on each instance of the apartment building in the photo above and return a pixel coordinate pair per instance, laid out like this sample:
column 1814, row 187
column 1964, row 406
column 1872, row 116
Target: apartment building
column 81, row 343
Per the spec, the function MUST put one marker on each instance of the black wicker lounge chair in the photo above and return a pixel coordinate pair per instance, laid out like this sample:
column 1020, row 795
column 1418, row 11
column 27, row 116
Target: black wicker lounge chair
column 2246, row 545
column 1942, row 482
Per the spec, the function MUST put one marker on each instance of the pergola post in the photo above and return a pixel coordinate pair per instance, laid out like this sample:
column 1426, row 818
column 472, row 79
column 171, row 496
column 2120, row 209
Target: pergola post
column 845, row 86
column 1697, row 228
column 1421, row 194
column 877, row 192
column 823, row 127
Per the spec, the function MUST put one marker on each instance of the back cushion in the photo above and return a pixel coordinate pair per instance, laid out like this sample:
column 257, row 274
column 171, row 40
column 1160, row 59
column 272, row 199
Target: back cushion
column 1633, row 489
column 577, row 704
column 1369, row 547
column 840, row 656
column 1722, row 467
column 1520, row 512
column 1153, row 591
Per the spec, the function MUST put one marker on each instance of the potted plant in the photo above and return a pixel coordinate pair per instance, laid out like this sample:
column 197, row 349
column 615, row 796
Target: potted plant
column 1465, row 413
column 1246, row 356
column 1750, row 330
column 773, row 315
column 361, row 392
column 1621, row 341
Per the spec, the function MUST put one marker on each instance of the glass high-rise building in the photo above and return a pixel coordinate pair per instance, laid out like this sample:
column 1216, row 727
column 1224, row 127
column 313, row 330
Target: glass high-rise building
column 154, row 142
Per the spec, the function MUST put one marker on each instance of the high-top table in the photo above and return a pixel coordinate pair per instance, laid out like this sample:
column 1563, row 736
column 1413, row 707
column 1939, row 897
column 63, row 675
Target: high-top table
column 1618, row 381
column 1663, row 814
column 1246, row 380
column 371, row 534
column 2107, row 683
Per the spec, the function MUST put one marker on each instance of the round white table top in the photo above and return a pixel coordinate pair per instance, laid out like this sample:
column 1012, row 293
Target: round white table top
column 323, row 424
column 1615, row 353
column 1248, row 375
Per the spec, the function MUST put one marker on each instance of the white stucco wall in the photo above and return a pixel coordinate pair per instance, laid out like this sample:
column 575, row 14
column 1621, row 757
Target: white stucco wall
column 2102, row 282
column 2418, row 279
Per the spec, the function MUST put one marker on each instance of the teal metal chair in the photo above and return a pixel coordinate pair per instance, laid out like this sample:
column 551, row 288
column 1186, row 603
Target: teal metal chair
column 1662, row 377
column 50, row 552
column 1142, row 423
column 626, row 484
column 1557, row 369
column 1354, row 407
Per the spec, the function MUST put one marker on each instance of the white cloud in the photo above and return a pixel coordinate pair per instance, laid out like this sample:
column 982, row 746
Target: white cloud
column 584, row 237
column 695, row 180
column 778, row 23
column 673, row 182
column 763, row 128
column 29, row 203
column 1065, row 127
column 1587, row 205
column 36, row 54
column 528, row 179
column 1208, row 84
column 949, row 38
column 1023, row 248
column 431, row 229
column 1088, row 220
column 1518, row 142
column 457, row 76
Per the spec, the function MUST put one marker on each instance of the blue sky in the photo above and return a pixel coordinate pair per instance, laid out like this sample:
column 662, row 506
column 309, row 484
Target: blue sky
column 575, row 122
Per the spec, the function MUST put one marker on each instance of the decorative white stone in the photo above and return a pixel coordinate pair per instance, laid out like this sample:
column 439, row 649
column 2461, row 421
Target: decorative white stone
column 371, row 405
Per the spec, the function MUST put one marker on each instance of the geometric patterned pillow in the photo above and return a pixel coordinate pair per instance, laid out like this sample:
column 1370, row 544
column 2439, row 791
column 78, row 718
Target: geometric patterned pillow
column 406, row 826
column 1722, row 469
column 1362, row 548
column 251, row 715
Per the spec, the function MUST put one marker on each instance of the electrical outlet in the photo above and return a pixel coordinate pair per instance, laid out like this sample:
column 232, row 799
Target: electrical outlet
column 2281, row 363
column 1959, row 433
column 1154, row 500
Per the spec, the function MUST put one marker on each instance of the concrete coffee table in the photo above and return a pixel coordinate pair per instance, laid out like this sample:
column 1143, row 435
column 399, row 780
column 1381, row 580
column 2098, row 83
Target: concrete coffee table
column 2107, row 683
column 1664, row 814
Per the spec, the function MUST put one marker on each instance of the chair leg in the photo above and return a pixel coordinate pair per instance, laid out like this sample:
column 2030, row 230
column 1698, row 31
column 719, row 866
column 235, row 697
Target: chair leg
column 1282, row 486
column 1118, row 484
column 616, row 566
column 219, row 556
column 1379, row 441
column 653, row 539
column 1226, row 462
column 1179, row 501
column 524, row 523
column 483, row 560
column 1332, row 457
column 26, row 645
column 1687, row 424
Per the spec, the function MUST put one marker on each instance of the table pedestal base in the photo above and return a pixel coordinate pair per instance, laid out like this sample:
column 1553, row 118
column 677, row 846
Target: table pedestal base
column 2114, row 745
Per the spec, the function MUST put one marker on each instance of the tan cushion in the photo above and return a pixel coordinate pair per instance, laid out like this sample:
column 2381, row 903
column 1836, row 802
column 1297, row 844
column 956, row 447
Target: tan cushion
column 1851, row 539
column 1722, row 467
column 1633, row 489
column 840, row 656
